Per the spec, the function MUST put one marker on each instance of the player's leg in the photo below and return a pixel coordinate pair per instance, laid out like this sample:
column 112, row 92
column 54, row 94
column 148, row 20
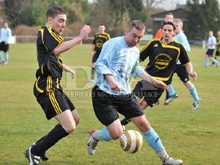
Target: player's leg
column 6, row 54
column 1, row 49
column 215, row 61
column 207, row 59
column 54, row 105
column 6, row 58
column 192, row 89
column 153, row 140
column 107, row 115
column 1, row 58
column 94, row 59
column 170, row 92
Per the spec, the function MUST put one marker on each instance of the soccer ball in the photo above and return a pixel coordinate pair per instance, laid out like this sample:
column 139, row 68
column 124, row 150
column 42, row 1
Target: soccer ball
column 131, row 141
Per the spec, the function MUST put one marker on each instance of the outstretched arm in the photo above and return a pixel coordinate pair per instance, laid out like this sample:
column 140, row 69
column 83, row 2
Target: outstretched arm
column 64, row 46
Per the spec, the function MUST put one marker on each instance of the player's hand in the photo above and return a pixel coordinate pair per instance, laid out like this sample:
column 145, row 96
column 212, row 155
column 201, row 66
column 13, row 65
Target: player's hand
column 91, row 54
column 113, row 83
column 84, row 32
column 72, row 74
column 193, row 75
column 159, row 84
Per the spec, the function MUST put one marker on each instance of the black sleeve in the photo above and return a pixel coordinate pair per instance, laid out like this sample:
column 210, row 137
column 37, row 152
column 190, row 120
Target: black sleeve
column 51, row 39
column 146, row 51
column 184, row 57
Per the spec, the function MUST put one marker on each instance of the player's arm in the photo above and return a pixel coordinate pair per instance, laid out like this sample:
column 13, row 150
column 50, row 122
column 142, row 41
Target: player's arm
column 146, row 51
column 112, row 82
column 64, row 46
column 189, row 69
column 91, row 53
column 160, row 84
column 68, row 69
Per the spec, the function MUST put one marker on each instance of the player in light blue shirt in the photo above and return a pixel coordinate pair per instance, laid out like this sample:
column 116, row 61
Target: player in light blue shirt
column 181, row 70
column 111, row 95
column 5, row 34
column 211, row 48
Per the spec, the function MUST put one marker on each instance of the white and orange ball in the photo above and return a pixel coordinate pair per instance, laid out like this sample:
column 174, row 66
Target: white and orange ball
column 131, row 141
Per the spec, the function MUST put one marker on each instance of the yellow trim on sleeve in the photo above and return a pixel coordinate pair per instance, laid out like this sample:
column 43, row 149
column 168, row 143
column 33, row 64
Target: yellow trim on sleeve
column 36, row 85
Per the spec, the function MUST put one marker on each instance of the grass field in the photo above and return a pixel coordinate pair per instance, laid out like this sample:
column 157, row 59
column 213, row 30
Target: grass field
column 190, row 135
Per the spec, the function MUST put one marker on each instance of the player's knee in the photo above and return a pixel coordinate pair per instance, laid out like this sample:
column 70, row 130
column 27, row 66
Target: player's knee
column 144, row 125
column 77, row 120
column 116, row 135
column 70, row 127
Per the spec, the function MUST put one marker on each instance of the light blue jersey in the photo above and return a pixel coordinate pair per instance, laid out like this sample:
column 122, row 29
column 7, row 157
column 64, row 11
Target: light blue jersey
column 5, row 34
column 181, row 37
column 120, row 61
column 212, row 40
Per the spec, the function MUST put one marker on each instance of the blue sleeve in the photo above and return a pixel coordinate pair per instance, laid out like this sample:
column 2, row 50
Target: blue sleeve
column 105, row 57
column 8, row 35
column 137, row 70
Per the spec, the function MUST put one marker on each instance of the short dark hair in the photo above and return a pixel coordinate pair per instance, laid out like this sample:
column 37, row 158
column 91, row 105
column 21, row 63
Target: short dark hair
column 138, row 24
column 54, row 11
column 169, row 23
column 169, row 14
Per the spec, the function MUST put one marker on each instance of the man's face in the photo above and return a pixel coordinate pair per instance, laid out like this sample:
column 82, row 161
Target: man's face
column 168, row 32
column 58, row 23
column 5, row 25
column 178, row 26
column 211, row 33
column 168, row 18
column 101, row 29
column 133, row 37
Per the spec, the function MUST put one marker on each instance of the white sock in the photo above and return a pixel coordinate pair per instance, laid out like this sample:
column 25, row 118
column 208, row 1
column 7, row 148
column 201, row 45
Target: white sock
column 162, row 154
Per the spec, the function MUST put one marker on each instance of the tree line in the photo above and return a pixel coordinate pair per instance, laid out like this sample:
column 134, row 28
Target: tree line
column 115, row 14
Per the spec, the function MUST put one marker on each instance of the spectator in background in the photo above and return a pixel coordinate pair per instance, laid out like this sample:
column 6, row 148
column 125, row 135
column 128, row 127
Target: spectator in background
column 168, row 18
column 211, row 48
column 5, row 35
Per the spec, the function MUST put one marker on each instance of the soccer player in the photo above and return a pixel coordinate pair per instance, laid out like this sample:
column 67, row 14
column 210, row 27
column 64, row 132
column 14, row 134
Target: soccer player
column 168, row 18
column 163, row 54
column 217, row 53
column 111, row 95
column 5, row 35
column 211, row 48
column 99, row 39
column 47, row 89
column 181, row 69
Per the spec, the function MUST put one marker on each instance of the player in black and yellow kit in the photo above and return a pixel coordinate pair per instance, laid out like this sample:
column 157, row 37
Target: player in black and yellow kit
column 98, row 41
column 163, row 54
column 217, row 53
column 47, row 89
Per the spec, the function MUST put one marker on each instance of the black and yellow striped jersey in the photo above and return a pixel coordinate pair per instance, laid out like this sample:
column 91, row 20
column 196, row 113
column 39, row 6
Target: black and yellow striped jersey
column 163, row 58
column 49, row 63
column 50, row 68
column 99, row 40
column 218, row 46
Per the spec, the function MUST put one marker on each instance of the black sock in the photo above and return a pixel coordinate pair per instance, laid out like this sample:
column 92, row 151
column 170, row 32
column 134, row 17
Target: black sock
column 125, row 121
column 92, row 72
column 167, row 94
column 57, row 133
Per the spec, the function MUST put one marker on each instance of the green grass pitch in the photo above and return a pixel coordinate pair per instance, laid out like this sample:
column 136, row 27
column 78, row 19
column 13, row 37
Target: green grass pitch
column 192, row 136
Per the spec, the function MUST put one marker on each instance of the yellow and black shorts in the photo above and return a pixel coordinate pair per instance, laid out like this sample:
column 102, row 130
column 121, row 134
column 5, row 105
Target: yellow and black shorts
column 54, row 103
column 95, row 56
